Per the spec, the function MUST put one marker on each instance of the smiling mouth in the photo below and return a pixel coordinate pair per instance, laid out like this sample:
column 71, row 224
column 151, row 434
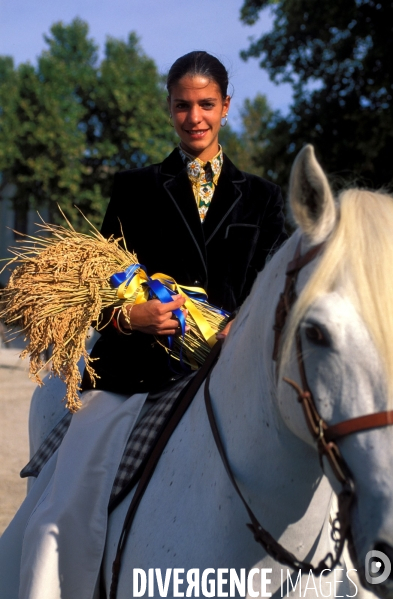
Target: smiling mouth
column 197, row 132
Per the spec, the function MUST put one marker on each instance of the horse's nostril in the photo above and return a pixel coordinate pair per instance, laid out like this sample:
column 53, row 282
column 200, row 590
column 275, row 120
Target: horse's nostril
column 385, row 559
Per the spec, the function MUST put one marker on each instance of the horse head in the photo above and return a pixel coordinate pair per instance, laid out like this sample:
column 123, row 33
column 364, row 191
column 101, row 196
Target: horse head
column 337, row 346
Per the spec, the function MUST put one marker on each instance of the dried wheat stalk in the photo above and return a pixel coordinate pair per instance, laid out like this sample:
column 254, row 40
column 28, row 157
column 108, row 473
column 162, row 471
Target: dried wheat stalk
column 60, row 286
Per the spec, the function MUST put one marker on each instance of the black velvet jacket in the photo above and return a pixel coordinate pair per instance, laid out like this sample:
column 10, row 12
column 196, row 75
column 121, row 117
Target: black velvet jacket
column 160, row 221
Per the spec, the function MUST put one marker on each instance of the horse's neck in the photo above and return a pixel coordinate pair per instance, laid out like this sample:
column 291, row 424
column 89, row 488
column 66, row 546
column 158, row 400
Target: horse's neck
column 243, row 390
column 246, row 367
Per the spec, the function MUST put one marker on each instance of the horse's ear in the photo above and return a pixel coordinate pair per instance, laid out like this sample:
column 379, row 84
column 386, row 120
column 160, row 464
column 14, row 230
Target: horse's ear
column 310, row 196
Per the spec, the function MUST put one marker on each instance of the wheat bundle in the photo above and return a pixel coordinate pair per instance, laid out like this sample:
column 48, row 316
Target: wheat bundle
column 60, row 286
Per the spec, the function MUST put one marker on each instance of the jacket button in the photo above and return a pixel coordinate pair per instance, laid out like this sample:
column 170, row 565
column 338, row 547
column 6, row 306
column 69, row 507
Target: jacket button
column 197, row 284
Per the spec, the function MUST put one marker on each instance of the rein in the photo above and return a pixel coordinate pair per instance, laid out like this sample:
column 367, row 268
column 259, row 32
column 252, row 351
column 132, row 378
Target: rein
column 181, row 407
column 341, row 524
column 261, row 535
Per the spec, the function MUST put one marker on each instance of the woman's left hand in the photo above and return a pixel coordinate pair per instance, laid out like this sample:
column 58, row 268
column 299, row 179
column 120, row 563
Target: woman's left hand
column 222, row 334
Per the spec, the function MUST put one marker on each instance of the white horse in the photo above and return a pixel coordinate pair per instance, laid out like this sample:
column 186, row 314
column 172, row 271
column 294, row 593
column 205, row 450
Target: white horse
column 191, row 519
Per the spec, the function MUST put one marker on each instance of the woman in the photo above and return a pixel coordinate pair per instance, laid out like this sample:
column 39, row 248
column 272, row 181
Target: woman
column 194, row 217
column 199, row 219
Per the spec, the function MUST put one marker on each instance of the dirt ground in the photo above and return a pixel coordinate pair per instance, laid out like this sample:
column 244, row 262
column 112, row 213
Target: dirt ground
column 16, row 390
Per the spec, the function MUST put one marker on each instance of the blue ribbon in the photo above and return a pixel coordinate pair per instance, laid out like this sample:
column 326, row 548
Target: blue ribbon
column 119, row 277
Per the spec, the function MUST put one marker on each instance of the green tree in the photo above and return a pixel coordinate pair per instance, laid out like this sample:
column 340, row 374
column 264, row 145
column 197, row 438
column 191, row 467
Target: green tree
column 247, row 146
column 256, row 117
column 337, row 56
column 69, row 123
column 128, row 123
column 233, row 145
column 48, row 145
column 8, row 117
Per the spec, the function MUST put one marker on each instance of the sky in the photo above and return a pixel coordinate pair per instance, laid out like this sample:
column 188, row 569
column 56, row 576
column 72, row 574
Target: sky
column 167, row 29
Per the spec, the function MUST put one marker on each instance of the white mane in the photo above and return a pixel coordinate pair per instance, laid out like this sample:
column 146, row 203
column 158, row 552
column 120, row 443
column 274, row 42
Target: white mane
column 357, row 262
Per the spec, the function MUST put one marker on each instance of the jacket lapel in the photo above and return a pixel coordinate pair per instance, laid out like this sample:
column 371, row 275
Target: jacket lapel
column 178, row 189
column 227, row 194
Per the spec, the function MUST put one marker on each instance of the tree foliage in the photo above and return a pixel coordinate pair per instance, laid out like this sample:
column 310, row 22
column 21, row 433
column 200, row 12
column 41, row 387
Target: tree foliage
column 246, row 147
column 338, row 58
column 68, row 123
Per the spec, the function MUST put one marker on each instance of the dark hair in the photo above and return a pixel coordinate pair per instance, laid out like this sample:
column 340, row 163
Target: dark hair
column 199, row 63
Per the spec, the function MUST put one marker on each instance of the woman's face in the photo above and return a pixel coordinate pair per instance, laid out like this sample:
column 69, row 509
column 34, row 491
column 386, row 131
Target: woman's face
column 197, row 107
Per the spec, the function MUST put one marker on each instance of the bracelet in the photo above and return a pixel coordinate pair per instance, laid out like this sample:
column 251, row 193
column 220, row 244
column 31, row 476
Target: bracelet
column 127, row 319
column 126, row 315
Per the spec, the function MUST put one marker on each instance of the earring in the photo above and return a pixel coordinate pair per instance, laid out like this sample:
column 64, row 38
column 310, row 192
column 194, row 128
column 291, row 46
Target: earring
column 226, row 120
column 170, row 121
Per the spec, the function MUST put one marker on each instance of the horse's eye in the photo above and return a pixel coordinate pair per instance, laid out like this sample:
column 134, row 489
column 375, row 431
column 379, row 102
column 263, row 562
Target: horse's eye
column 315, row 335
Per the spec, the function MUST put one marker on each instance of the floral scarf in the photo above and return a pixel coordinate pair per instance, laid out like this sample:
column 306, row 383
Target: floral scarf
column 203, row 177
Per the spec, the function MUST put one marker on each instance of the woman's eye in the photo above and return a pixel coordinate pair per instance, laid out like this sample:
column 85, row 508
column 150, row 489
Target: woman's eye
column 315, row 335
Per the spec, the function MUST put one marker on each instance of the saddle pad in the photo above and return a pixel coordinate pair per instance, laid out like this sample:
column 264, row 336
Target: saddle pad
column 139, row 443
column 144, row 434
column 47, row 448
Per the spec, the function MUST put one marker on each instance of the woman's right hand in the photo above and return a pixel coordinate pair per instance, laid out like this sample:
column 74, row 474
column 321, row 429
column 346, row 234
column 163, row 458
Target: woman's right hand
column 153, row 317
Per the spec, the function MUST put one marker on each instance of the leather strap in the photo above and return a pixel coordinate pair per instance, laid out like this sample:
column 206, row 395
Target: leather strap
column 326, row 434
column 361, row 423
column 288, row 296
column 262, row 536
column 317, row 428
column 155, row 456
column 299, row 261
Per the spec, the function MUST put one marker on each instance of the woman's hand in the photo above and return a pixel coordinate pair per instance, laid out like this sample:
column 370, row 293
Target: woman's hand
column 222, row 334
column 153, row 317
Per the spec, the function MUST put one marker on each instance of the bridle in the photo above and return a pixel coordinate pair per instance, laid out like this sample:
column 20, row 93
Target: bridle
column 324, row 435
